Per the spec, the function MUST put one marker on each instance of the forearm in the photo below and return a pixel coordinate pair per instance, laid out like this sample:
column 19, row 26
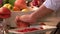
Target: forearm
column 41, row 12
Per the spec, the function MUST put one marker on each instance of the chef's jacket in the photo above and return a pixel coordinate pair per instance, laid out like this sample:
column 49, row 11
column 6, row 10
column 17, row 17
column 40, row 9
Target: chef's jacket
column 53, row 5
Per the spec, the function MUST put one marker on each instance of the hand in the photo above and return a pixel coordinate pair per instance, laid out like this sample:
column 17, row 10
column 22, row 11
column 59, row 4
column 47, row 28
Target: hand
column 27, row 18
column 20, row 23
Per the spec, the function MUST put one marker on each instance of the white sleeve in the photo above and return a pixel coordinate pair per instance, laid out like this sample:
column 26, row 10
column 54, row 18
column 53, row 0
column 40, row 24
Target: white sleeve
column 52, row 4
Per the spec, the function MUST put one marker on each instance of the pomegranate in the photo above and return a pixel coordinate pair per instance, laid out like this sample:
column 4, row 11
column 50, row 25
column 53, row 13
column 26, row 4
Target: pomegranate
column 5, row 12
column 27, row 30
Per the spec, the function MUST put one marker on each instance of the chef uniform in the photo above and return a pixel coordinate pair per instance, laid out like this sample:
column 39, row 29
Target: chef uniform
column 54, row 5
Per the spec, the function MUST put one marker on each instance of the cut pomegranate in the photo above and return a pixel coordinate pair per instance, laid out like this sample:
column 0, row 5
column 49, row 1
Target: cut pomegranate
column 28, row 30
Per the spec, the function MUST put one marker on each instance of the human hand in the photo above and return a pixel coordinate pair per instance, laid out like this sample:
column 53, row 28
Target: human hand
column 20, row 23
column 26, row 18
